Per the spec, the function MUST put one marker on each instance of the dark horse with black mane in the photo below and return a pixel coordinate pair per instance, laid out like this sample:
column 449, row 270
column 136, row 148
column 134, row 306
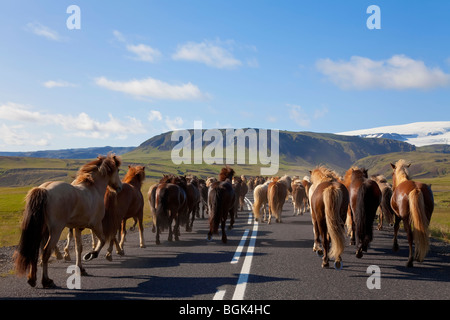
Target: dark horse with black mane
column 365, row 197
column 170, row 201
column 221, row 201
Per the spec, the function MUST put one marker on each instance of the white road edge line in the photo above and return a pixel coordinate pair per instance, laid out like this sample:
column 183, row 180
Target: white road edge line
column 245, row 271
column 240, row 247
column 219, row 295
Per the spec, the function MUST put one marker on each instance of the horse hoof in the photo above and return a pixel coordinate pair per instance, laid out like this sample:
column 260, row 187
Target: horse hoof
column 67, row 257
column 319, row 253
column 32, row 282
column 90, row 255
column 395, row 247
column 338, row 265
column 325, row 265
column 108, row 257
column 359, row 254
column 48, row 284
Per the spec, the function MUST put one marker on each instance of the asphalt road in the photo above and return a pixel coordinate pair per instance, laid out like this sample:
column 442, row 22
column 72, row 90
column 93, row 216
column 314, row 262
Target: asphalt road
column 259, row 262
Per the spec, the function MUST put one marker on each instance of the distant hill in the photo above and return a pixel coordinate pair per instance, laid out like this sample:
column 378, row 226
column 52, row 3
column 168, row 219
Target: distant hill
column 299, row 152
column 77, row 153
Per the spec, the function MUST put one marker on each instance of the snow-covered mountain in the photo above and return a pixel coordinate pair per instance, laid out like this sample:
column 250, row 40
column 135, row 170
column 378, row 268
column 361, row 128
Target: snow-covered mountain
column 417, row 133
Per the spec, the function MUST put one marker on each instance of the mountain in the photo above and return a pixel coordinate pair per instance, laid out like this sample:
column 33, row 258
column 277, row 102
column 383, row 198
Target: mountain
column 417, row 133
column 77, row 153
column 299, row 152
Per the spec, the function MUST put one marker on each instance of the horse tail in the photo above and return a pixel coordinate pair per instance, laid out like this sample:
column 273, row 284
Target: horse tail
column 359, row 215
column 215, row 211
column 33, row 228
column 332, row 199
column 385, row 205
column 162, row 216
column 420, row 223
column 257, row 203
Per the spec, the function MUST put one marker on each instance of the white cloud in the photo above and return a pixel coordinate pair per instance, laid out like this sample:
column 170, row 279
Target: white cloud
column 206, row 52
column 398, row 72
column 16, row 136
column 17, row 112
column 153, row 88
column 43, row 31
column 299, row 115
column 142, row 52
column 57, row 84
column 175, row 123
column 154, row 115
column 81, row 125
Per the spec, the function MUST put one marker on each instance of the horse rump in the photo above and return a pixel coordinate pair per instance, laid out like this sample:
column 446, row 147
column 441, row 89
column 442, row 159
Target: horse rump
column 33, row 229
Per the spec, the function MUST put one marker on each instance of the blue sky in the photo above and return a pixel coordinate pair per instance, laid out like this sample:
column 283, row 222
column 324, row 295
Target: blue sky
column 139, row 68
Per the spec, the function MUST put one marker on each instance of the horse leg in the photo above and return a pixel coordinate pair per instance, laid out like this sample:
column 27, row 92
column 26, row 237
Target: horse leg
column 78, row 250
column 231, row 220
column 123, row 232
column 224, row 235
column 317, row 244
column 119, row 250
column 380, row 219
column 49, row 247
column 409, row 234
column 66, row 248
column 157, row 234
column 98, row 230
column 326, row 249
column 141, row 231
column 109, row 250
column 396, row 227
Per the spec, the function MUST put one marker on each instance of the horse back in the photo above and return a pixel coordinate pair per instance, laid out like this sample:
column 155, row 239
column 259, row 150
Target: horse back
column 400, row 196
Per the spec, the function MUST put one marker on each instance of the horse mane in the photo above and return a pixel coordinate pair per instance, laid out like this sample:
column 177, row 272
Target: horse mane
column 226, row 173
column 102, row 165
column 401, row 171
column 379, row 178
column 358, row 172
column 322, row 173
column 178, row 180
column 135, row 175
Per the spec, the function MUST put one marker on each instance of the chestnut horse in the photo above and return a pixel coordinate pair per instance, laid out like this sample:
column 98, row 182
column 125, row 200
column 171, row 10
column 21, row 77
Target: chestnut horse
column 277, row 193
column 260, row 200
column 53, row 206
column 222, row 202
column 365, row 197
column 329, row 202
column 413, row 203
column 299, row 199
column 170, row 203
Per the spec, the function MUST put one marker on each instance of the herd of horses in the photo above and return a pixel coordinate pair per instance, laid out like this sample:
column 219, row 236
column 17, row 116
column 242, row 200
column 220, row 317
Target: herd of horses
column 97, row 199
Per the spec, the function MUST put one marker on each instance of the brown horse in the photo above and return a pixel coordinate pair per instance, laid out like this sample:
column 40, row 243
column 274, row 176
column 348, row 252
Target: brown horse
column 329, row 202
column 276, row 195
column 260, row 200
column 170, row 203
column 365, row 197
column 299, row 198
column 413, row 203
column 237, row 187
column 55, row 205
column 243, row 193
column 221, row 201
column 203, row 189
column 193, row 201
column 386, row 212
